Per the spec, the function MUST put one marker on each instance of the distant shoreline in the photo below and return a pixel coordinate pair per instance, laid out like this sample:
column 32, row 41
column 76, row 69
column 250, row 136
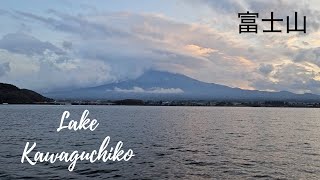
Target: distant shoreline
column 278, row 104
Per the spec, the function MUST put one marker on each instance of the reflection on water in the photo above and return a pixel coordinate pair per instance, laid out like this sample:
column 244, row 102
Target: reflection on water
column 169, row 142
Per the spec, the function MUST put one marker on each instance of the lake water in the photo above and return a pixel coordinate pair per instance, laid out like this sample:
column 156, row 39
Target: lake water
column 169, row 142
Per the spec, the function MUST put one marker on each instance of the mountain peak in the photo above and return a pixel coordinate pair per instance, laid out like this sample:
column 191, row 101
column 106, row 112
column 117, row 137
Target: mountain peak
column 162, row 85
column 160, row 74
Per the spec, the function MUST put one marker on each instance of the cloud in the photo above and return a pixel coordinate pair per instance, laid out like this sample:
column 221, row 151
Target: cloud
column 266, row 68
column 226, row 6
column 199, row 51
column 4, row 68
column 291, row 77
column 102, row 47
column 135, row 46
column 26, row 44
column 281, row 8
column 308, row 55
column 74, row 24
column 50, row 71
column 155, row 90
column 67, row 45
column 143, row 41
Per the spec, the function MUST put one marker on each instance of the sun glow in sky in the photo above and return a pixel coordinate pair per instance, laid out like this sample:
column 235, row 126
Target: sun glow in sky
column 48, row 45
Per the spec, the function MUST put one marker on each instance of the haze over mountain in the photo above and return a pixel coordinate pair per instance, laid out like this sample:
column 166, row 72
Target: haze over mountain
column 157, row 85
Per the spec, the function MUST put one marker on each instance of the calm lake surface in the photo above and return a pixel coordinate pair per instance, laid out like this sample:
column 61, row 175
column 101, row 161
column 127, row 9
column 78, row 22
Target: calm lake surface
column 169, row 142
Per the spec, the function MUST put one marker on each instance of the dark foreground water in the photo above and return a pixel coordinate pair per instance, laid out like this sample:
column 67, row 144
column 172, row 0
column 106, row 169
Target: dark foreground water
column 169, row 142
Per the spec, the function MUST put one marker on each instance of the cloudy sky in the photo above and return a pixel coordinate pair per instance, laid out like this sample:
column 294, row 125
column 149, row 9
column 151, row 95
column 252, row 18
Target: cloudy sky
column 53, row 45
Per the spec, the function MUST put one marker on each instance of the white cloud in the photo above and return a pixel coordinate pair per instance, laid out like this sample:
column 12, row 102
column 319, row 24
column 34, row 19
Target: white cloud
column 51, row 71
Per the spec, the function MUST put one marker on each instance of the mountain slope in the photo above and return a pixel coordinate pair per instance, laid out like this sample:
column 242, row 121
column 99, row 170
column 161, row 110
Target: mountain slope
column 13, row 95
column 157, row 85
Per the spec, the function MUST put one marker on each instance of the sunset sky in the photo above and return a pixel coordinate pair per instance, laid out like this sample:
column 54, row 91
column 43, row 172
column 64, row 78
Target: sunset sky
column 53, row 45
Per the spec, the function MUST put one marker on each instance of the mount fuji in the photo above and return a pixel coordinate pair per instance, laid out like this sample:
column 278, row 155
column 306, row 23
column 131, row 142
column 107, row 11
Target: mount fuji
column 159, row 85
